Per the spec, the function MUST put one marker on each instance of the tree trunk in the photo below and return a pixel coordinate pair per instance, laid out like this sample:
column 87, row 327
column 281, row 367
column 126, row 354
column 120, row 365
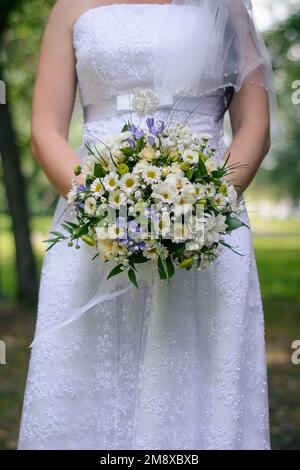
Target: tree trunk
column 15, row 189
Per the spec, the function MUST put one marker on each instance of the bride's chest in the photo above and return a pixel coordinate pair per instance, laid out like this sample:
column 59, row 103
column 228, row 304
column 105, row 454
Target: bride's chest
column 114, row 47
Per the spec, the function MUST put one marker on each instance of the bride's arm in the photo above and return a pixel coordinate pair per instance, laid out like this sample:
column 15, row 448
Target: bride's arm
column 250, row 122
column 53, row 100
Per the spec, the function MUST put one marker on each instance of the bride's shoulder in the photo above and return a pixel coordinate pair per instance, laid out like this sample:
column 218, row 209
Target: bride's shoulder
column 67, row 11
column 70, row 10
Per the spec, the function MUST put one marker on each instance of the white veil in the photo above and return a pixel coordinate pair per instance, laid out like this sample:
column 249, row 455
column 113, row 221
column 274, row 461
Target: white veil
column 217, row 46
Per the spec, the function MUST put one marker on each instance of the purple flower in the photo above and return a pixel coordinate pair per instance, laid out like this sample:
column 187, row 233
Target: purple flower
column 138, row 133
column 151, row 140
column 131, row 143
column 80, row 188
column 154, row 129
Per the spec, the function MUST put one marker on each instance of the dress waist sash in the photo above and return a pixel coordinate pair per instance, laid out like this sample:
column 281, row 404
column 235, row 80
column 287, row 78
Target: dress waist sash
column 123, row 103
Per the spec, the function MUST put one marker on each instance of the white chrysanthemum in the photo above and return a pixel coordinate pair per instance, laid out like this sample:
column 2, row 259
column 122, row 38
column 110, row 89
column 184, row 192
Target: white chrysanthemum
column 97, row 187
column 117, row 198
column 180, row 231
column 190, row 156
column 163, row 226
column 106, row 249
column 72, row 194
column 165, row 192
column 193, row 245
column 150, row 252
column 206, row 136
column 214, row 227
column 129, row 182
column 145, row 101
column 111, row 181
column 90, row 205
column 116, row 231
column 140, row 166
column 151, row 174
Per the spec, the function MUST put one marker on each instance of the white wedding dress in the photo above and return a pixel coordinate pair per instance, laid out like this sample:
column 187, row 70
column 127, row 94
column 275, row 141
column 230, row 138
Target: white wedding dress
column 159, row 367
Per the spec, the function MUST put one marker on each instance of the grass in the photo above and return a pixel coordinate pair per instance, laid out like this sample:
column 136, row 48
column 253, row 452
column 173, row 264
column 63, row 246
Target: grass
column 277, row 248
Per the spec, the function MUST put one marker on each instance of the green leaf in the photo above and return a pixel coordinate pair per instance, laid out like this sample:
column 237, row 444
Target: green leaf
column 165, row 267
column 189, row 173
column 230, row 247
column 58, row 234
column 132, row 277
column 201, row 167
column 233, row 223
column 98, row 170
column 82, row 231
column 117, row 270
column 125, row 127
column 137, row 258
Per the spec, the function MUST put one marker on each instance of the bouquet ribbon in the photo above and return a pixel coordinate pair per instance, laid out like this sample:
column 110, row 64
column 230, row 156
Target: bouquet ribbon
column 144, row 272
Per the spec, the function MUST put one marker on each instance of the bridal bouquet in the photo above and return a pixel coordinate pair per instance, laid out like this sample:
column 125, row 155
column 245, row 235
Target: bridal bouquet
column 152, row 193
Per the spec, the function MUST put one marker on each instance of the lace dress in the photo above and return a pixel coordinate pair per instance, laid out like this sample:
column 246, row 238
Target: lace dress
column 159, row 367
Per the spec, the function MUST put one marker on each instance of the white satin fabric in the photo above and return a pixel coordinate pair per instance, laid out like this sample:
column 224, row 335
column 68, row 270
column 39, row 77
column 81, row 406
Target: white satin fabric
column 159, row 367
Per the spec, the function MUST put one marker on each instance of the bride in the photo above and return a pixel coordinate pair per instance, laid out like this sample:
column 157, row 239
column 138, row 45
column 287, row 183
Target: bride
column 159, row 367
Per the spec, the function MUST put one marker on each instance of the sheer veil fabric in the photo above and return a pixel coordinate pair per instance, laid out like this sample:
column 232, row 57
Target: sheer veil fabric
column 218, row 46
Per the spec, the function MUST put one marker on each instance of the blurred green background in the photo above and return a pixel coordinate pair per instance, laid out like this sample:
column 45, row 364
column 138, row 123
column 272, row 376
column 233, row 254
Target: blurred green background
column 27, row 202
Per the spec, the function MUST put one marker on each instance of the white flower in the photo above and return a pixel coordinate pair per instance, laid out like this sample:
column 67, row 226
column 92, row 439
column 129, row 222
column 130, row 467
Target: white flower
column 190, row 156
column 106, row 248
column 211, row 165
column 123, row 136
column 211, row 190
column 140, row 166
column 206, row 136
column 175, row 168
column 193, row 245
column 97, row 187
column 180, row 231
column 199, row 190
column 178, row 179
column 117, row 198
column 147, row 153
column 151, row 174
column 165, row 192
column 72, row 194
column 163, row 226
column 116, row 231
column 150, row 251
column 101, row 233
column 111, row 181
column 145, row 101
column 129, row 182
column 232, row 200
column 90, row 205
column 87, row 167
column 214, row 227
column 220, row 200
column 185, row 200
